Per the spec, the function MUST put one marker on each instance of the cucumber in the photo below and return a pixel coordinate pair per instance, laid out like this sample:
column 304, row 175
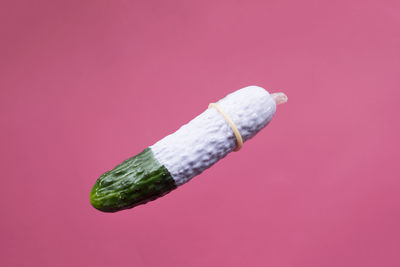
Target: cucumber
column 180, row 156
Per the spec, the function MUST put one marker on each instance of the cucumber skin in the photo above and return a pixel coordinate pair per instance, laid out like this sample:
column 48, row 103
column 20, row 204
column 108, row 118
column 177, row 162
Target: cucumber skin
column 136, row 181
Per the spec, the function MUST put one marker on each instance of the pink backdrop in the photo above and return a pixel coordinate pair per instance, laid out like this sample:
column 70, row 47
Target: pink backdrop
column 86, row 84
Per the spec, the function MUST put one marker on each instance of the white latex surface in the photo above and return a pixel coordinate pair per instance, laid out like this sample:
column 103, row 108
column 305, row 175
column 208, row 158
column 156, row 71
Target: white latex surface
column 207, row 138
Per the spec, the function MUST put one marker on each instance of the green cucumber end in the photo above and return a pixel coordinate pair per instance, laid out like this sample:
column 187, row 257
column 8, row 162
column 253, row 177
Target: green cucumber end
column 136, row 181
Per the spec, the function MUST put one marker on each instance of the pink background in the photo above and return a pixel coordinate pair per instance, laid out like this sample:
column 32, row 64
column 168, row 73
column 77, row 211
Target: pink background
column 86, row 84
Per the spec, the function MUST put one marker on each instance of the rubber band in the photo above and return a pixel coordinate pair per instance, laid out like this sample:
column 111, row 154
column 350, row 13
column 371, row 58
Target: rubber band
column 235, row 130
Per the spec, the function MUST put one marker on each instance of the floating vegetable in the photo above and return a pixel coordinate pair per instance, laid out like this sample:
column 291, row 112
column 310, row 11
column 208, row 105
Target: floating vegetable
column 180, row 156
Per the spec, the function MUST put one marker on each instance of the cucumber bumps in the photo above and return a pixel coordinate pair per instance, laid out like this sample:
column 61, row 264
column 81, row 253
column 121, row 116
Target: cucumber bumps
column 135, row 181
